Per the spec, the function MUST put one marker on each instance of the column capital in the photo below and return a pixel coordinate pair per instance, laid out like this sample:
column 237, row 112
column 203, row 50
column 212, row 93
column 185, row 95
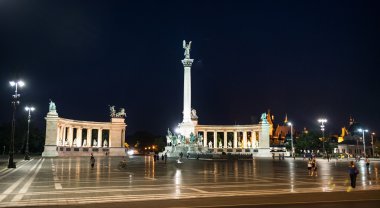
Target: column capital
column 187, row 62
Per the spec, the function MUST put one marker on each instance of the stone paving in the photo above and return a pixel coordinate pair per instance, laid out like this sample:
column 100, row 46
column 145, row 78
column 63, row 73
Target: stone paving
column 72, row 181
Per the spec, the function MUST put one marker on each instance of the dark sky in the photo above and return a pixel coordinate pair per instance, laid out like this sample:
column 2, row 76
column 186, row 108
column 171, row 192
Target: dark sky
column 304, row 58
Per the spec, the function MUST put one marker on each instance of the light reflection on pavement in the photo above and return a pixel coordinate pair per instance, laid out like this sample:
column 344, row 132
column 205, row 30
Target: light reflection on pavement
column 59, row 181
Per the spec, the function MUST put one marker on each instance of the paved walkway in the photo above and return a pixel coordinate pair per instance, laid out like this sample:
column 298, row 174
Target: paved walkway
column 71, row 181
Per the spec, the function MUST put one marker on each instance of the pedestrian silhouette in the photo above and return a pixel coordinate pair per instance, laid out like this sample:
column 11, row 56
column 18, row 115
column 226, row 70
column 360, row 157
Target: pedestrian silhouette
column 92, row 160
column 353, row 172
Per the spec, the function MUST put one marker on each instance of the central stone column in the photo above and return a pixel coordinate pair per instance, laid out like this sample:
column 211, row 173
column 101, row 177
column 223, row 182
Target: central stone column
column 187, row 126
column 187, row 90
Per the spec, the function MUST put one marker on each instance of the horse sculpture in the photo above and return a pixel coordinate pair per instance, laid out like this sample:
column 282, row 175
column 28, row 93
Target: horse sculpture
column 121, row 113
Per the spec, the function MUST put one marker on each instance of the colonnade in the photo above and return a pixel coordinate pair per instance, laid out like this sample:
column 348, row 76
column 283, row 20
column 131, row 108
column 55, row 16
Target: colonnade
column 71, row 136
column 223, row 138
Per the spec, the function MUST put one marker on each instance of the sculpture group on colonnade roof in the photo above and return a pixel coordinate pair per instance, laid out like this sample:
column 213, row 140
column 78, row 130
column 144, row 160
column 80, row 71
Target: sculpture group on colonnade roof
column 114, row 114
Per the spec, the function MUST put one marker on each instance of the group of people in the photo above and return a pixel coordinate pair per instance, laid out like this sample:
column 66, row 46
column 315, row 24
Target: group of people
column 353, row 171
column 164, row 157
column 312, row 167
column 281, row 156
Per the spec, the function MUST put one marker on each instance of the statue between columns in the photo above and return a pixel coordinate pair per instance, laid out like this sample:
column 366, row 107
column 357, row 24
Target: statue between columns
column 187, row 49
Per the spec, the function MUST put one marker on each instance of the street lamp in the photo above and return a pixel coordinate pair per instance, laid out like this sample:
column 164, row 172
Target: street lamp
column 291, row 136
column 29, row 109
column 363, row 130
column 15, row 102
column 373, row 150
column 323, row 121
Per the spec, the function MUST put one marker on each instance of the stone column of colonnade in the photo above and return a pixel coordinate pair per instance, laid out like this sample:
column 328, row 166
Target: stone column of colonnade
column 79, row 136
column 215, row 140
column 70, row 136
column 64, row 136
column 244, row 139
column 89, row 136
column 205, row 142
column 100, row 137
column 225, row 139
column 235, row 139
column 253, row 138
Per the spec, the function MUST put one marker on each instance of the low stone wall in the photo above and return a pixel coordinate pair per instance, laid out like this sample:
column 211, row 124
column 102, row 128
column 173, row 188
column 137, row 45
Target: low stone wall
column 86, row 151
column 174, row 151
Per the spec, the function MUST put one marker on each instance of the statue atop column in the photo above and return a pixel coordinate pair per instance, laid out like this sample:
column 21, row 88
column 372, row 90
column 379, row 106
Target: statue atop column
column 187, row 49
column 121, row 113
column 114, row 114
column 52, row 107
column 112, row 111
column 264, row 119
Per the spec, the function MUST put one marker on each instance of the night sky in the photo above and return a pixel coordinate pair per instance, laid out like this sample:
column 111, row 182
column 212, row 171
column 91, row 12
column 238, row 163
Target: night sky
column 304, row 58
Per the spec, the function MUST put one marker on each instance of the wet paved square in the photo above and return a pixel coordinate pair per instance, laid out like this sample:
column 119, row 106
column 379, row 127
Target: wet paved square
column 65, row 181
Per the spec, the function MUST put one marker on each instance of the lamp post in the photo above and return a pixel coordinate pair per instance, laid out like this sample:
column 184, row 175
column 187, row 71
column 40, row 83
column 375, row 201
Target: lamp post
column 15, row 102
column 323, row 121
column 29, row 109
column 373, row 150
column 291, row 136
column 363, row 130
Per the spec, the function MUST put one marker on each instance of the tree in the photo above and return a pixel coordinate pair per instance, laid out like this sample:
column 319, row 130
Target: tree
column 160, row 142
column 36, row 137
column 308, row 141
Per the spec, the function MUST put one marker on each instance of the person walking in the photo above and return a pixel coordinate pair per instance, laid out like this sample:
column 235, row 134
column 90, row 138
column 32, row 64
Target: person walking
column 165, row 157
column 315, row 169
column 92, row 160
column 309, row 167
column 313, row 164
column 367, row 162
column 353, row 171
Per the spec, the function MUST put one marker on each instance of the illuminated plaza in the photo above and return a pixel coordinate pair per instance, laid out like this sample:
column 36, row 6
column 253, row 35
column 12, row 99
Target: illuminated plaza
column 71, row 181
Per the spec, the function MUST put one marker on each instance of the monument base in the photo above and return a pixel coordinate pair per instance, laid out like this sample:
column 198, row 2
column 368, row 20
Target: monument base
column 117, row 151
column 174, row 151
column 255, row 152
column 50, row 151
column 185, row 129
column 263, row 152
